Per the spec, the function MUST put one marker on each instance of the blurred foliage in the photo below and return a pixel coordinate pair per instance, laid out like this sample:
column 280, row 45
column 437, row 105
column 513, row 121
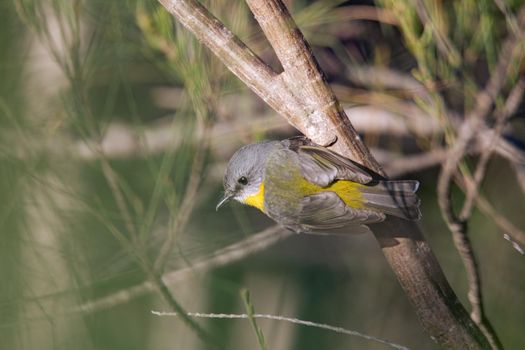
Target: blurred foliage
column 81, row 221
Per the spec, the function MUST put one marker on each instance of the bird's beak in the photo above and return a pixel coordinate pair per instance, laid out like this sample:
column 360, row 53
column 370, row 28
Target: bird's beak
column 225, row 199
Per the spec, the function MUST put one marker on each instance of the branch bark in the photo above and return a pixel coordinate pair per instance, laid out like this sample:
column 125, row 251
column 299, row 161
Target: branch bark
column 303, row 97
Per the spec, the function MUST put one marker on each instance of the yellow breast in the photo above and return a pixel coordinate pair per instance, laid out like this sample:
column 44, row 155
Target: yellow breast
column 256, row 200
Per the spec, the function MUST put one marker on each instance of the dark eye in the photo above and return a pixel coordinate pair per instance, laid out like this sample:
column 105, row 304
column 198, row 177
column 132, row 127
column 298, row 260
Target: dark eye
column 243, row 180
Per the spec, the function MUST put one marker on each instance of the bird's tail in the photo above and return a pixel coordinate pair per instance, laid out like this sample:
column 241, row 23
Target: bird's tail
column 396, row 198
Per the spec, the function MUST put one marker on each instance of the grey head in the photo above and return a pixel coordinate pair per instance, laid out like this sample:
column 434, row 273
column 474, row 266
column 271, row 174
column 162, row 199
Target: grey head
column 245, row 171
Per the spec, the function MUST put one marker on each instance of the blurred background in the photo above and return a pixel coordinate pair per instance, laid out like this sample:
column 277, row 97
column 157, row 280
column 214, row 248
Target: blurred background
column 116, row 126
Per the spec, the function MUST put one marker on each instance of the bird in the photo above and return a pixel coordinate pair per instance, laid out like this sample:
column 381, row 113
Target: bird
column 308, row 188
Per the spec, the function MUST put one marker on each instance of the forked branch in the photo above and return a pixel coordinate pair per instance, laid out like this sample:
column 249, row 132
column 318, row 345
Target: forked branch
column 302, row 95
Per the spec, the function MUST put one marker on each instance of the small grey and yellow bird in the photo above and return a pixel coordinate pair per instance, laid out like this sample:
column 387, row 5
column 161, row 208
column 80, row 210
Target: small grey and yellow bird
column 308, row 188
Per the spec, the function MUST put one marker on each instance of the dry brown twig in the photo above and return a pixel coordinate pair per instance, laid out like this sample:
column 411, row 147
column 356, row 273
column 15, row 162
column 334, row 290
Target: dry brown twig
column 123, row 141
column 366, row 12
column 502, row 115
column 511, row 50
column 415, row 163
column 301, row 95
column 471, row 185
column 511, row 233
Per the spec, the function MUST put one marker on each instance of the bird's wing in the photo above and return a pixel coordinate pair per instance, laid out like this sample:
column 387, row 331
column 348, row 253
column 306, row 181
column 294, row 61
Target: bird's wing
column 322, row 167
column 326, row 212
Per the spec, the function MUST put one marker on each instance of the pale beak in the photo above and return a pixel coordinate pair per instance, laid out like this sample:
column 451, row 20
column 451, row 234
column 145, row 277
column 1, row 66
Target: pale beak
column 225, row 199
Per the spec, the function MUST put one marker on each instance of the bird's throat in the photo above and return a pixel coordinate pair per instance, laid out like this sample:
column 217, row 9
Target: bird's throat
column 256, row 200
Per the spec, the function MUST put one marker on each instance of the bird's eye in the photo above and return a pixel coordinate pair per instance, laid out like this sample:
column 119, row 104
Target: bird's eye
column 243, row 180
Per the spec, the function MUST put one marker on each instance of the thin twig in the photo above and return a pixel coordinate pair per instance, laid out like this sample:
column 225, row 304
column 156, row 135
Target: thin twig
column 415, row 163
column 122, row 141
column 444, row 45
column 365, row 12
column 502, row 115
column 511, row 233
column 378, row 120
column 388, row 78
column 250, row 312
column 511, row 50
column 156, row 279
column 112, row 180
column 339, row 330
column 166, row 294
column 75, row 72
column 188, row 202
column 510, row 18
column 222, row 257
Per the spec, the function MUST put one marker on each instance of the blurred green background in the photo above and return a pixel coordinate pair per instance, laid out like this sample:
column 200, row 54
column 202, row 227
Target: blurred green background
column 116, row 126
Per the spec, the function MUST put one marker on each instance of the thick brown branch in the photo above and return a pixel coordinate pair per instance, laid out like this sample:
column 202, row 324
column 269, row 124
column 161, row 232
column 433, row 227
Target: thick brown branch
column 320, row 116
column 231, row 50
column 309, row 104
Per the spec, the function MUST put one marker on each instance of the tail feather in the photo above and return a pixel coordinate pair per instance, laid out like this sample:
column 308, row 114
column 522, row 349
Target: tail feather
column 396, row 198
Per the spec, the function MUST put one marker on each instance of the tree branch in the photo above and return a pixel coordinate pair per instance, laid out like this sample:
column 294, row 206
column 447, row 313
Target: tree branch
column 309, row 96
column 302, row 95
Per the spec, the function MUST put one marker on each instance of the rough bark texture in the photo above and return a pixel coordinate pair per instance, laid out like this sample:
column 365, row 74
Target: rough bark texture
column 420, row 275
column 303, row 97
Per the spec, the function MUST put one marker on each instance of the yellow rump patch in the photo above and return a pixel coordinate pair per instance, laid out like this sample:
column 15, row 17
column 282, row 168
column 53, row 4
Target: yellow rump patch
column 256, row 200
column 348, row 191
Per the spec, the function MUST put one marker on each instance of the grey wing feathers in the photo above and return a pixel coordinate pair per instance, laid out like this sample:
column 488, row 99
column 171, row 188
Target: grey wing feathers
column 326, row 212
column 322, row 167
column 396, row 198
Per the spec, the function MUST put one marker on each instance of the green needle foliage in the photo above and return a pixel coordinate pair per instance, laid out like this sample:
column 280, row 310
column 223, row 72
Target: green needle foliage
column 115, row 128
